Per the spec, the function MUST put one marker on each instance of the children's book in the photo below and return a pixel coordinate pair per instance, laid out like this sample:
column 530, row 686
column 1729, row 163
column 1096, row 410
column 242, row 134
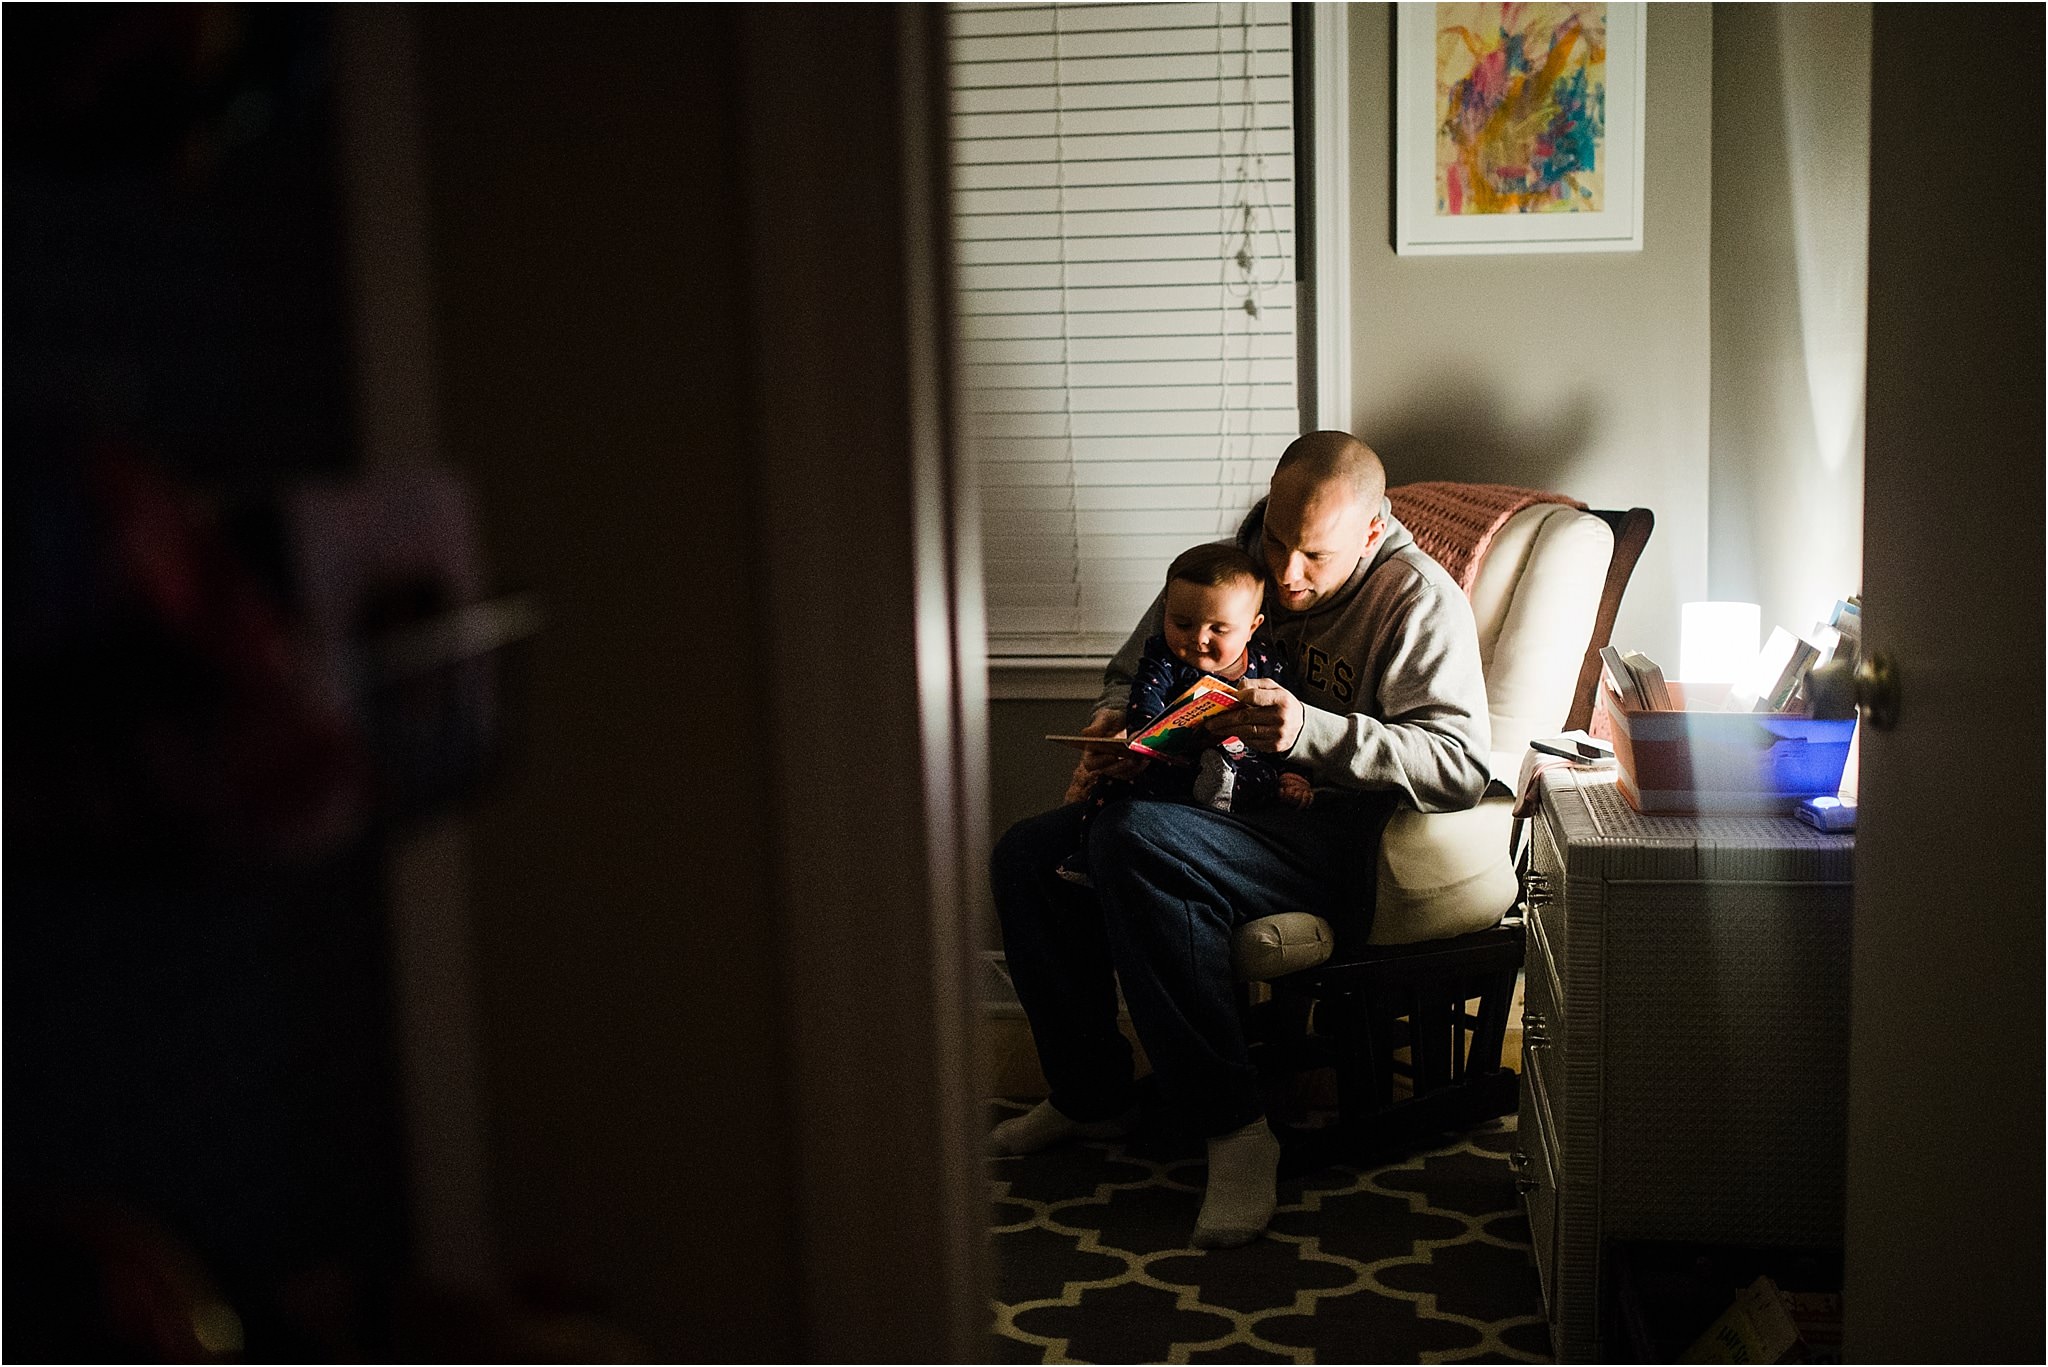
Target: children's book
column 1649, row 678
column 1176, row 735
column 1621, row 678
column 1775, row 676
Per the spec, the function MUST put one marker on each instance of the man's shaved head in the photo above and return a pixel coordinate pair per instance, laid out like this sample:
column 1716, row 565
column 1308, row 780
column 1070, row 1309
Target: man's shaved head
column 1326, row 457
column 1322, row 516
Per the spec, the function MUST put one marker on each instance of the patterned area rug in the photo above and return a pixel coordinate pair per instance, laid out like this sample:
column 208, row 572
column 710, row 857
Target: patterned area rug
column 1422, row 1260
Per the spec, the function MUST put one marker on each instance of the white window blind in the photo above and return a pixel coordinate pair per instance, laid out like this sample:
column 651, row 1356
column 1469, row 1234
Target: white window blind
column 1124, row 211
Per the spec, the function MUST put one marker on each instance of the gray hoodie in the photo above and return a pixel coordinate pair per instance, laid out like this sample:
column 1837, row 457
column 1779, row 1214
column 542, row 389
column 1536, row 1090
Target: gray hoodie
column 1387, row 668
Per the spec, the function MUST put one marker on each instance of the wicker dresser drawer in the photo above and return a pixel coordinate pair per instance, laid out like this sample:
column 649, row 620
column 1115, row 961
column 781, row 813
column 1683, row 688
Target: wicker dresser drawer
column 1546, row 1025
column 1547, row 891
column 1536, row 1174
column 1543, row 968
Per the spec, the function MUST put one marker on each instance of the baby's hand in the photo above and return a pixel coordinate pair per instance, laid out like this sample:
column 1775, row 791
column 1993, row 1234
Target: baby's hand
column 1295, row 790
column 1100, row 762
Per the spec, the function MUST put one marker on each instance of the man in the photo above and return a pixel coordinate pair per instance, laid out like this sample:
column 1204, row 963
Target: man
column 1391, row 707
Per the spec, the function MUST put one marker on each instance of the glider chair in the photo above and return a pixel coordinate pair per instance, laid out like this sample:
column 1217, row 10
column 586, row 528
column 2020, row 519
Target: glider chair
column 1545, row 579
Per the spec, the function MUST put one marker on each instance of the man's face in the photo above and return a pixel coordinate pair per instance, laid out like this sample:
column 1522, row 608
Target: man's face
column 1315, row 536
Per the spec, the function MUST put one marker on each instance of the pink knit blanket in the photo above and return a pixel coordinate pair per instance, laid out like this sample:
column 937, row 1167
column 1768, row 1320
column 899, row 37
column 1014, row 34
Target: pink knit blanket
column 1456, row 523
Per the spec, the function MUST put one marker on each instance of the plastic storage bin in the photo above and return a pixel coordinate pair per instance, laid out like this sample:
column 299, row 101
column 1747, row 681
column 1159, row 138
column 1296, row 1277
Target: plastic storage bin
column 1711, row 761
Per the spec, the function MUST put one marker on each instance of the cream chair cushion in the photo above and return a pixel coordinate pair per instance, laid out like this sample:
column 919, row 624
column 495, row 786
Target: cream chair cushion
column 1275, row 945
column 1447, row 873
column 1534, row 601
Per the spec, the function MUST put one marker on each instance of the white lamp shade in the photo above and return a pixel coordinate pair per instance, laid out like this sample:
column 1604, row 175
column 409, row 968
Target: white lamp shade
column 1717, row 641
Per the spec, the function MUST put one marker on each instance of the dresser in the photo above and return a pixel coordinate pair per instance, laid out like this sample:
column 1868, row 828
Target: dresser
column 1685, row 1038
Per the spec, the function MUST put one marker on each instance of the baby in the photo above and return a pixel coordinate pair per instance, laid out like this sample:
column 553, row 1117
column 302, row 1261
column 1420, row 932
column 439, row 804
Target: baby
column 1213, row 594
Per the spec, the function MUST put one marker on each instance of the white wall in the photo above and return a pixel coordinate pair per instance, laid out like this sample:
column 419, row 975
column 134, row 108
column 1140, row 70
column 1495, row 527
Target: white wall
column 1790, row 252
column 1583, row 373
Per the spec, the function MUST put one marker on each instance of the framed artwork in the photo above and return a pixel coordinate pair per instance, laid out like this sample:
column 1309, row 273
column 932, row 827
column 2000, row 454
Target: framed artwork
column 1518, row 128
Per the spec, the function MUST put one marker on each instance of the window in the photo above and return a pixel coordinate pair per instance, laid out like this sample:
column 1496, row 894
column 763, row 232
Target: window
column 1124, row 201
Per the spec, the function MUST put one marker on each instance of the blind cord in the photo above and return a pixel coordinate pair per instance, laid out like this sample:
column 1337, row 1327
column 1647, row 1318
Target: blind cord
column 1223, row 290
column 1059, row 154
column 1244, row 296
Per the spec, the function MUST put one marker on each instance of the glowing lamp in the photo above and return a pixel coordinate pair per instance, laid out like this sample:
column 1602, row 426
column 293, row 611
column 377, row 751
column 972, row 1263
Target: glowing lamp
column 1717, row 641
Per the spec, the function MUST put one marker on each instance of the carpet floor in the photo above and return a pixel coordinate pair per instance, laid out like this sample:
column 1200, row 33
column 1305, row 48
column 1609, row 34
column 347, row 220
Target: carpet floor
column 1424, row 1259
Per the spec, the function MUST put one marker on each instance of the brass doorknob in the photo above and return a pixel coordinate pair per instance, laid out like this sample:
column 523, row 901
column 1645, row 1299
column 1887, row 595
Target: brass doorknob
column 1877, row 692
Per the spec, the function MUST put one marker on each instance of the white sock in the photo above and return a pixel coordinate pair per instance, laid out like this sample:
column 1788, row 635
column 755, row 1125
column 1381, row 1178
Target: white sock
column 1243, row 1175
column 1042, row 1126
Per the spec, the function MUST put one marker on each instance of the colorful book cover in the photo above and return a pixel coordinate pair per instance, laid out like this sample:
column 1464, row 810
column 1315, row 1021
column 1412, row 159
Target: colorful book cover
column 1177, row 734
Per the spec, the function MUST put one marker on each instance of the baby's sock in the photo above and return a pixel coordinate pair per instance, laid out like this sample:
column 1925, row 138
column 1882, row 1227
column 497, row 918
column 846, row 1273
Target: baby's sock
column 1215, row 780
column 1244, row 1168
column 1042, row 1126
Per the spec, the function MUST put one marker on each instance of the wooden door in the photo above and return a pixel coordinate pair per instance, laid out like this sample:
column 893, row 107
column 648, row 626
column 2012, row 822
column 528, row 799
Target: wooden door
column 1945, row 1107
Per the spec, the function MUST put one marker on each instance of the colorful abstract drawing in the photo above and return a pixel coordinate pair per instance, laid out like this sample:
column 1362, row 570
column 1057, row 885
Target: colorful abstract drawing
column 1522, row 106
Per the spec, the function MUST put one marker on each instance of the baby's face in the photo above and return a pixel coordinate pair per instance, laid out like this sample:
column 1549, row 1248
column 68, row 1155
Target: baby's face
column 1209, row 625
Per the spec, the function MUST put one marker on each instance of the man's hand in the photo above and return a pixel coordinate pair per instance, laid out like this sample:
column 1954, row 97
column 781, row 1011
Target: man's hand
column 1102, row 762
column 1269, row 721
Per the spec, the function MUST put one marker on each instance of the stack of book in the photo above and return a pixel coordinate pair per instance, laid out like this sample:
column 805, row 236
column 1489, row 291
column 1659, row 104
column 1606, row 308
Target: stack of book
column 1775, row 681
column 1773, row 678
column 1637, row 680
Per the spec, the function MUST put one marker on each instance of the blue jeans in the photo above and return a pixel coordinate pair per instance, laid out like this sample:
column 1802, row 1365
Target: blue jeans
column 1172, row 881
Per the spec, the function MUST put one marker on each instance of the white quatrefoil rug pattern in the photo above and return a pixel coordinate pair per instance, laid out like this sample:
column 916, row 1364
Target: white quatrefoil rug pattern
column 1424, row 1259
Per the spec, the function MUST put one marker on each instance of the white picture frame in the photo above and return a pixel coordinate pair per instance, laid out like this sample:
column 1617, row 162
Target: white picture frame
column 1421, row 229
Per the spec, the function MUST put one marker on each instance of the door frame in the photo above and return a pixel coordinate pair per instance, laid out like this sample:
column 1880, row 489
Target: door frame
column 868, row 519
